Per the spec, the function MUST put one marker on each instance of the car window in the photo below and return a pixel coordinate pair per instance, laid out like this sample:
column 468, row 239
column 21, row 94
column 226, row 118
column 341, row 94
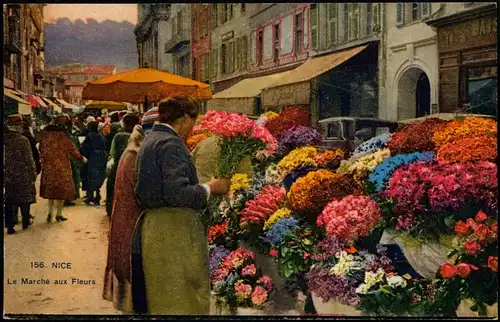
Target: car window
column 335, row 130
column 381, row 130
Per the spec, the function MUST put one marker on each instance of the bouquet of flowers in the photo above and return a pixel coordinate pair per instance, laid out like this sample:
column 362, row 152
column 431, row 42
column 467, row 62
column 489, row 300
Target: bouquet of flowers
column 312, row 192
column 372, row 145
column 482, row 148
column 415, row 137
column 472, row 271
column 241, row 137
column 237, row 282
column 338, row 271
column 330, row 159
column 350, row 218
column 278, row 214
column 287, row 119
column 300, row 157
column 193, row 140
column 468, row 127
column 266, row 203
column 430, row 198
column 382, row 173
column 298, row 136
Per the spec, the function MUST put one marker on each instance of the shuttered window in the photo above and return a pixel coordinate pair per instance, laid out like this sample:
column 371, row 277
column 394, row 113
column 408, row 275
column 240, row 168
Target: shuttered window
column 426, row 8
column 276, row 49
column 238, row 54
column 400, row 13
column 369, row 18
column 306, row 28
column 214, row 16
column 314, row 26
column 355, row 20
column 253, row 44
column 223, row 59
column 213, row 64
column 233, row 54
column 346, row 22
column 244, row 51
column 332, row 23
column 376, row 15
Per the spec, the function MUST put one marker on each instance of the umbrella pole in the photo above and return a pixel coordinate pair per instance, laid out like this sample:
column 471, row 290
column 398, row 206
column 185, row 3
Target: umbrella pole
column 145, row 104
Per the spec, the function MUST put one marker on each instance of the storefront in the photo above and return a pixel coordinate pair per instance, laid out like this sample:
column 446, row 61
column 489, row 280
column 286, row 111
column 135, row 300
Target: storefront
column 467, row 45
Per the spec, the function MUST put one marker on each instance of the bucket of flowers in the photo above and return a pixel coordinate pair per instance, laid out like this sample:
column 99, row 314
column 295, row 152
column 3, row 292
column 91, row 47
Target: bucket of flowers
column 470, row 276
column 237, row 284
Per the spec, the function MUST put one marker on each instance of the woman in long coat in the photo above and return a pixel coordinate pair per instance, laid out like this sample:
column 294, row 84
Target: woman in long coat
column 94, row 149
column 126, row 211
column 75, row 164
column 118, row 145
column 57, row 180
column 19, row 178
column 170, row 252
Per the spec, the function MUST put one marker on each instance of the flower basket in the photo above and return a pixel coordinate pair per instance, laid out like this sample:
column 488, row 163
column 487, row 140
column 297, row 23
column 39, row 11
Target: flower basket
column 463, row 310
column 333, row 307
column 426, row 259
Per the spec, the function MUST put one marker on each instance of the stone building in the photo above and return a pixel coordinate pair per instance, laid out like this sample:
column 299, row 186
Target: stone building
column 151, row 34
column 24, row 61
column 423, row 73
column 178, row 44
column 341, row 77
column 200, row 42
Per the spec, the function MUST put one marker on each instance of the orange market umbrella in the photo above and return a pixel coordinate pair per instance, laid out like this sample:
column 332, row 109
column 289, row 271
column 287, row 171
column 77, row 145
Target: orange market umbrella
column 144, row 85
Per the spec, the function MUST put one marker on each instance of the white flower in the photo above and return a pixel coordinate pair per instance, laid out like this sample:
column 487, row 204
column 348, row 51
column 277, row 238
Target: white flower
column 396, row 281
column 362, row 289
column 372, row 279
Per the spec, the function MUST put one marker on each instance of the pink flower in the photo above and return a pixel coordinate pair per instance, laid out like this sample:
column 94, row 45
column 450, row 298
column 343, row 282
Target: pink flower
column 243, row 291
column 273, row 252
column 259, row 296
column 267, row 281
column 249, row 270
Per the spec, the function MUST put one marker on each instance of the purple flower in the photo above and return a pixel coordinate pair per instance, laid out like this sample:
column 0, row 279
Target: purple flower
column 297, row 136
column 328, row 247
column 215, row 257
column 328, row 287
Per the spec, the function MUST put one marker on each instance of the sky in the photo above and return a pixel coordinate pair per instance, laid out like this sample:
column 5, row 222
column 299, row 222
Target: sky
column 99, row 12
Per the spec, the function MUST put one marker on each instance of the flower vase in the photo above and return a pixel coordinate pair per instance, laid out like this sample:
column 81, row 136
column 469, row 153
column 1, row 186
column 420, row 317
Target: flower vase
column 426, row 259
column 463, row 310
column 333, row 307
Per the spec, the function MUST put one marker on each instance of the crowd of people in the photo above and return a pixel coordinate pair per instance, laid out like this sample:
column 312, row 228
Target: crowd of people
column 157, row 255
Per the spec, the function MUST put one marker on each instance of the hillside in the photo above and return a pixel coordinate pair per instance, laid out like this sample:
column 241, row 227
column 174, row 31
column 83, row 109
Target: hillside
column 107, row 42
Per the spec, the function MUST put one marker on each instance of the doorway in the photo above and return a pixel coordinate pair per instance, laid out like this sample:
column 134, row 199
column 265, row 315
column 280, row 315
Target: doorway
column 414, row 94
column 423, row 96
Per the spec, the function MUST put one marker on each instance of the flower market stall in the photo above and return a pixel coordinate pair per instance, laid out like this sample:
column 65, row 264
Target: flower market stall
column 326, row 223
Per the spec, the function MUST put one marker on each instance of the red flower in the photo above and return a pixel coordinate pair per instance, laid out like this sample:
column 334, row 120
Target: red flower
column 306, row 255
column 481, row 231
column 273, row 252
column 480, row 217
column 470, row 222
column 448, row 270
column 493, row 263
column 472, row 248
column 464, row 269
column 461, row 228
column 292, row 243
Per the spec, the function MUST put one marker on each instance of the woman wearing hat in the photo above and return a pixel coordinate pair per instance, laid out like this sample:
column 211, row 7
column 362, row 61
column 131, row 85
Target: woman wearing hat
column 19, row 174
column 57, row 180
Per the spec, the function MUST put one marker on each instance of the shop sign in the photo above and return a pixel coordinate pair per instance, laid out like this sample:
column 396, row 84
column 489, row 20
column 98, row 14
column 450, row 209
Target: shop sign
column 477, row 32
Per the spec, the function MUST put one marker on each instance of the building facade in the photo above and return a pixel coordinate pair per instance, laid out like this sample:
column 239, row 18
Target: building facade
column 178, row 44
column 24, row 61
column 200, row 42
column 230, row 34
column 151, row 34
column 73, row 92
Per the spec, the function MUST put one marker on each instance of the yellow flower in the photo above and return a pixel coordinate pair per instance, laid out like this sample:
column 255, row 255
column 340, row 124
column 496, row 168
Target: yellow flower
column 280, row 213
column 298, row 158
column 240, row 181
column 270, row 115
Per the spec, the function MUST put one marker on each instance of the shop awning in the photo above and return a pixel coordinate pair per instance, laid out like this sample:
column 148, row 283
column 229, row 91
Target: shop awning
column 295, row 88
column 35, row 101
column 41, row 102
column 54, row 106
column 24, row 107
column 65, row 104
column 241, row 96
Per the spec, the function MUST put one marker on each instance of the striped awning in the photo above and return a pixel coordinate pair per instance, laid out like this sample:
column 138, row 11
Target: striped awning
column 54, row 106
column 24, row 107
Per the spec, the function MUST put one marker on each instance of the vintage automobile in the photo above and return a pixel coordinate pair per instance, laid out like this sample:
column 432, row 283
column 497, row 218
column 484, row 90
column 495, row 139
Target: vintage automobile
column 349, row 132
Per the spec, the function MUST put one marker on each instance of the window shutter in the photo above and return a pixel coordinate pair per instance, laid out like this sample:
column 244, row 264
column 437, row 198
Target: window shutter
column 238, row 54
column 349, row 23
column 306, row 28
column 253, row 43
column 369, row 18
column 346, row 21
column 400, row 13
column 355, row 22
column 425, row 9
column 376, row 14
column 314, row 26
column 332, row 24
column 244, row 54
column 232, row 54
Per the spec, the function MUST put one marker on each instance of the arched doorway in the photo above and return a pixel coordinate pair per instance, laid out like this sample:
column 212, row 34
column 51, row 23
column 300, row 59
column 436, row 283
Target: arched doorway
column 414, row 94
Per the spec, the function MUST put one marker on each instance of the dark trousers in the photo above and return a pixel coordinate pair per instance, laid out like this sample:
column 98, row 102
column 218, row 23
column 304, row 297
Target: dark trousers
column 94, row 195
column 11, row 211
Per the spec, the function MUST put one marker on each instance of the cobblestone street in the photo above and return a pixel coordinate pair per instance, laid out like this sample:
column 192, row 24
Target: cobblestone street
column 81, row 241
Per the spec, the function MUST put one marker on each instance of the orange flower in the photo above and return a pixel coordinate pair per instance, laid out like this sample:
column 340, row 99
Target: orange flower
column 469, row 127
column 472, row 149
column 194, row 140
column 351, row 249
